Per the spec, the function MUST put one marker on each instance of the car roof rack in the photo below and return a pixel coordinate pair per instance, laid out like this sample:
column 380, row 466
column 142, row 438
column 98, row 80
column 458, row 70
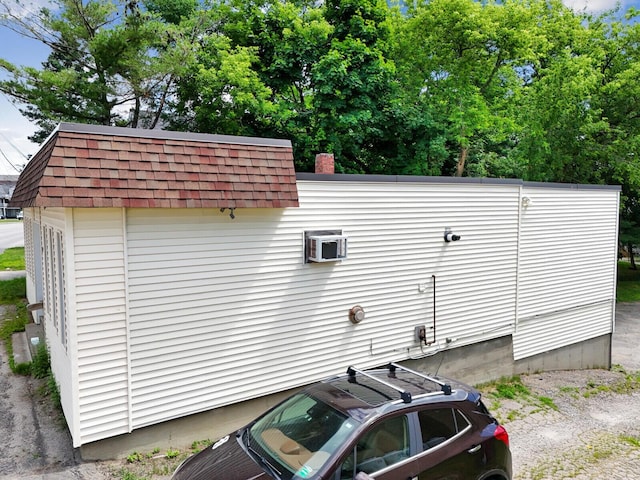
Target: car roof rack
column 445, row 387
column 404, row 395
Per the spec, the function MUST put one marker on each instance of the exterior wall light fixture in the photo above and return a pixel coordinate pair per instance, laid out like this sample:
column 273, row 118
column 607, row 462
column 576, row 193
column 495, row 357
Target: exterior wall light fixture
column 449, row 236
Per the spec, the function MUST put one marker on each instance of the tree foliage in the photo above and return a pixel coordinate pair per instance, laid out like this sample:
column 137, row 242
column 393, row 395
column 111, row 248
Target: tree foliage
column 102, row 68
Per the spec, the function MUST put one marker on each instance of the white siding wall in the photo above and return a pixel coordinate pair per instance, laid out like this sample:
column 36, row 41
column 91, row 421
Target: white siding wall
column 53, row 223
column 191, row 310
column 567, row 271
column 100, row 289
column 223, row 310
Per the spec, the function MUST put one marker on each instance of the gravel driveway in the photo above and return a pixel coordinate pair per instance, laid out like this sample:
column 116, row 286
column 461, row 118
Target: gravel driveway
column 572, row 425
column 594, row 433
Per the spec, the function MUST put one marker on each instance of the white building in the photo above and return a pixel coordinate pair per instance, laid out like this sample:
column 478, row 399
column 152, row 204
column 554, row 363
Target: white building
column 175, row 276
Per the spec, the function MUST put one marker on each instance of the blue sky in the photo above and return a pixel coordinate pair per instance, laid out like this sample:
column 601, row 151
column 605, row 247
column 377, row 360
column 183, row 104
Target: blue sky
column 14, row 128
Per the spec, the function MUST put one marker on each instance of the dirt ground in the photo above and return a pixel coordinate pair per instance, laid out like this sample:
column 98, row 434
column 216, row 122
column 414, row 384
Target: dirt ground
column 35, row 440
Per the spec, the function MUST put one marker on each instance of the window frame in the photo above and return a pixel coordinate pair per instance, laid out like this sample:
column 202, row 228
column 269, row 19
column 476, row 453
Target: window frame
column 413, row 437
column 449, row 440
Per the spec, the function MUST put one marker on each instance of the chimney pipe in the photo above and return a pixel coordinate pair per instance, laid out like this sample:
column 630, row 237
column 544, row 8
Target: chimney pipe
column 325, row 164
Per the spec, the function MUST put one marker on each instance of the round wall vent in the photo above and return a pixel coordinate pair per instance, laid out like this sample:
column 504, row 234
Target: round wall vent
column 356, row 314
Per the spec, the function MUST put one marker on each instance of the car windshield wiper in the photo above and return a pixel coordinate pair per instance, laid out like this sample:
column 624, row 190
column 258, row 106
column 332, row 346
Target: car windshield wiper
column 247, row 442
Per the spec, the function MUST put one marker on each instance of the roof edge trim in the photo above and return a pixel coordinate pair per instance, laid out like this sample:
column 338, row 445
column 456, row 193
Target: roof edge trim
column 170, row 135
column 349, row 177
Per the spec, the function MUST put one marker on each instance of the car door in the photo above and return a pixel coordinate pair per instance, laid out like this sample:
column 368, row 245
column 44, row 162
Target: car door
column 452, row 450
column 385, row 451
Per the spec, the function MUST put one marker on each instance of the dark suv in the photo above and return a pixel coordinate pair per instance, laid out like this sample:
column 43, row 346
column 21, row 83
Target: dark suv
column 388, row 424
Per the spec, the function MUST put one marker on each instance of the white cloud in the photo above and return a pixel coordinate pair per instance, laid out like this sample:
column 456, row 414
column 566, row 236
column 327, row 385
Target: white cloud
column 590, row 5
column 26, row 9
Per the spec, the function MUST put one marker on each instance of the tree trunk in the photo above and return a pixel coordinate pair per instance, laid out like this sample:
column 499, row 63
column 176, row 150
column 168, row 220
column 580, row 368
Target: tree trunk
column 631, row 257
column 462, row 158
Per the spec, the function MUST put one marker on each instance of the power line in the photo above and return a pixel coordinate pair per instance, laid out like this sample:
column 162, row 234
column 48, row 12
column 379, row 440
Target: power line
column 13, row 145
column 8, row 140
column 9, row 161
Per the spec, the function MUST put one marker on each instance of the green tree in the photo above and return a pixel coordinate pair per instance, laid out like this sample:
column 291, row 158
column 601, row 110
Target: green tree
column 101, row 68
column 557, row 109
column 462, row 61
column 355, row 87
column 318, row 76
column 250, row 72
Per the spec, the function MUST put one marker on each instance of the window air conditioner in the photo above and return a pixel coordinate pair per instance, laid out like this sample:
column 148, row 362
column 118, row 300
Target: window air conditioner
column 327, row 248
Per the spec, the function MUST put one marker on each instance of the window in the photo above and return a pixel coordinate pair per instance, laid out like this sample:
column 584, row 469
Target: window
column 300, row 436
column 439, row 425
column 50, row 280
column 54, row 288
column 61, row 288
column 384, row 445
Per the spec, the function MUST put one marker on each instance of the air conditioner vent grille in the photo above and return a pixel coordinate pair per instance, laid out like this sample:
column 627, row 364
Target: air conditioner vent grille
column 325, row 247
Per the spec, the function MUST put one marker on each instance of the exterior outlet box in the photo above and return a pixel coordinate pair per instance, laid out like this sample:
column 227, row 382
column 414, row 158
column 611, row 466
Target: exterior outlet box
column 326, row 248
column 420, row 333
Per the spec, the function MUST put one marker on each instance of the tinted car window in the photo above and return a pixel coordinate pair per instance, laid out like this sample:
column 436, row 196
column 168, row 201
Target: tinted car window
column 385, row 444
column 439, row 425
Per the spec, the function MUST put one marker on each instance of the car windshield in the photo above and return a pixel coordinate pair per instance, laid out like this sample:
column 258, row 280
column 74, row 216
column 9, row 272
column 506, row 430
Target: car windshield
column 298, row 437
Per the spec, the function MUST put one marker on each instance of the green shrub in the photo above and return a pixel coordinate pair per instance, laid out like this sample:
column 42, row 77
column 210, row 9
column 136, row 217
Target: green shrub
column 40, row 366
column 134, row 457
column 172, row 453
column 20, row 368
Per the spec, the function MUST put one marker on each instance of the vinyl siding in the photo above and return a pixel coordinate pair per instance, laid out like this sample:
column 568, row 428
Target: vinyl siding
column 558, row 329
column 102, row 363
column 567, row 271
column 52, row 222
column 192, row 310
column 224, row 310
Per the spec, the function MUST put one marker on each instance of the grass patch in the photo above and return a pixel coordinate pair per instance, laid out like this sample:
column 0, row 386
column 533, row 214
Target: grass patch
column 518, row 397
column 12, row 298
column 628, row 288
column 12, row 291
column 145, row 466
column 624, row 384
column 15, row 319
column 12, row 259
column 511, row 388
column 631, row 440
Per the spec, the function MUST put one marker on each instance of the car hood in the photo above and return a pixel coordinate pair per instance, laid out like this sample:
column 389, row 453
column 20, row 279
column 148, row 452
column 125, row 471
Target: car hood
column 224, row 460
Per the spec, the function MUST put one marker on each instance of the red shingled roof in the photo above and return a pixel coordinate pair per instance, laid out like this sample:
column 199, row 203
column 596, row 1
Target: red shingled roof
column 97, row 166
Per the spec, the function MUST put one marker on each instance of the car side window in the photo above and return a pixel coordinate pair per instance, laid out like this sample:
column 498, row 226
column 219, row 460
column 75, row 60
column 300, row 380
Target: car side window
column 385, row 444
column 439, row 425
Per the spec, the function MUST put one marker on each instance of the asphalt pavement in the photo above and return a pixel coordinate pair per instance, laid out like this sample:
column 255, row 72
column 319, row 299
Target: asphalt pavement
column 625, row 345
column 11, row 235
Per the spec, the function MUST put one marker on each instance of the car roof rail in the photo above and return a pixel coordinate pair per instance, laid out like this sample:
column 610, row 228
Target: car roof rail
column 445, row 387
column 404, row 395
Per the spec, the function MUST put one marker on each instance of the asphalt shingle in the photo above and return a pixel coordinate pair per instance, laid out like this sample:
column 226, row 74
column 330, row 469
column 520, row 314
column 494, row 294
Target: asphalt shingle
column 97, row 166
